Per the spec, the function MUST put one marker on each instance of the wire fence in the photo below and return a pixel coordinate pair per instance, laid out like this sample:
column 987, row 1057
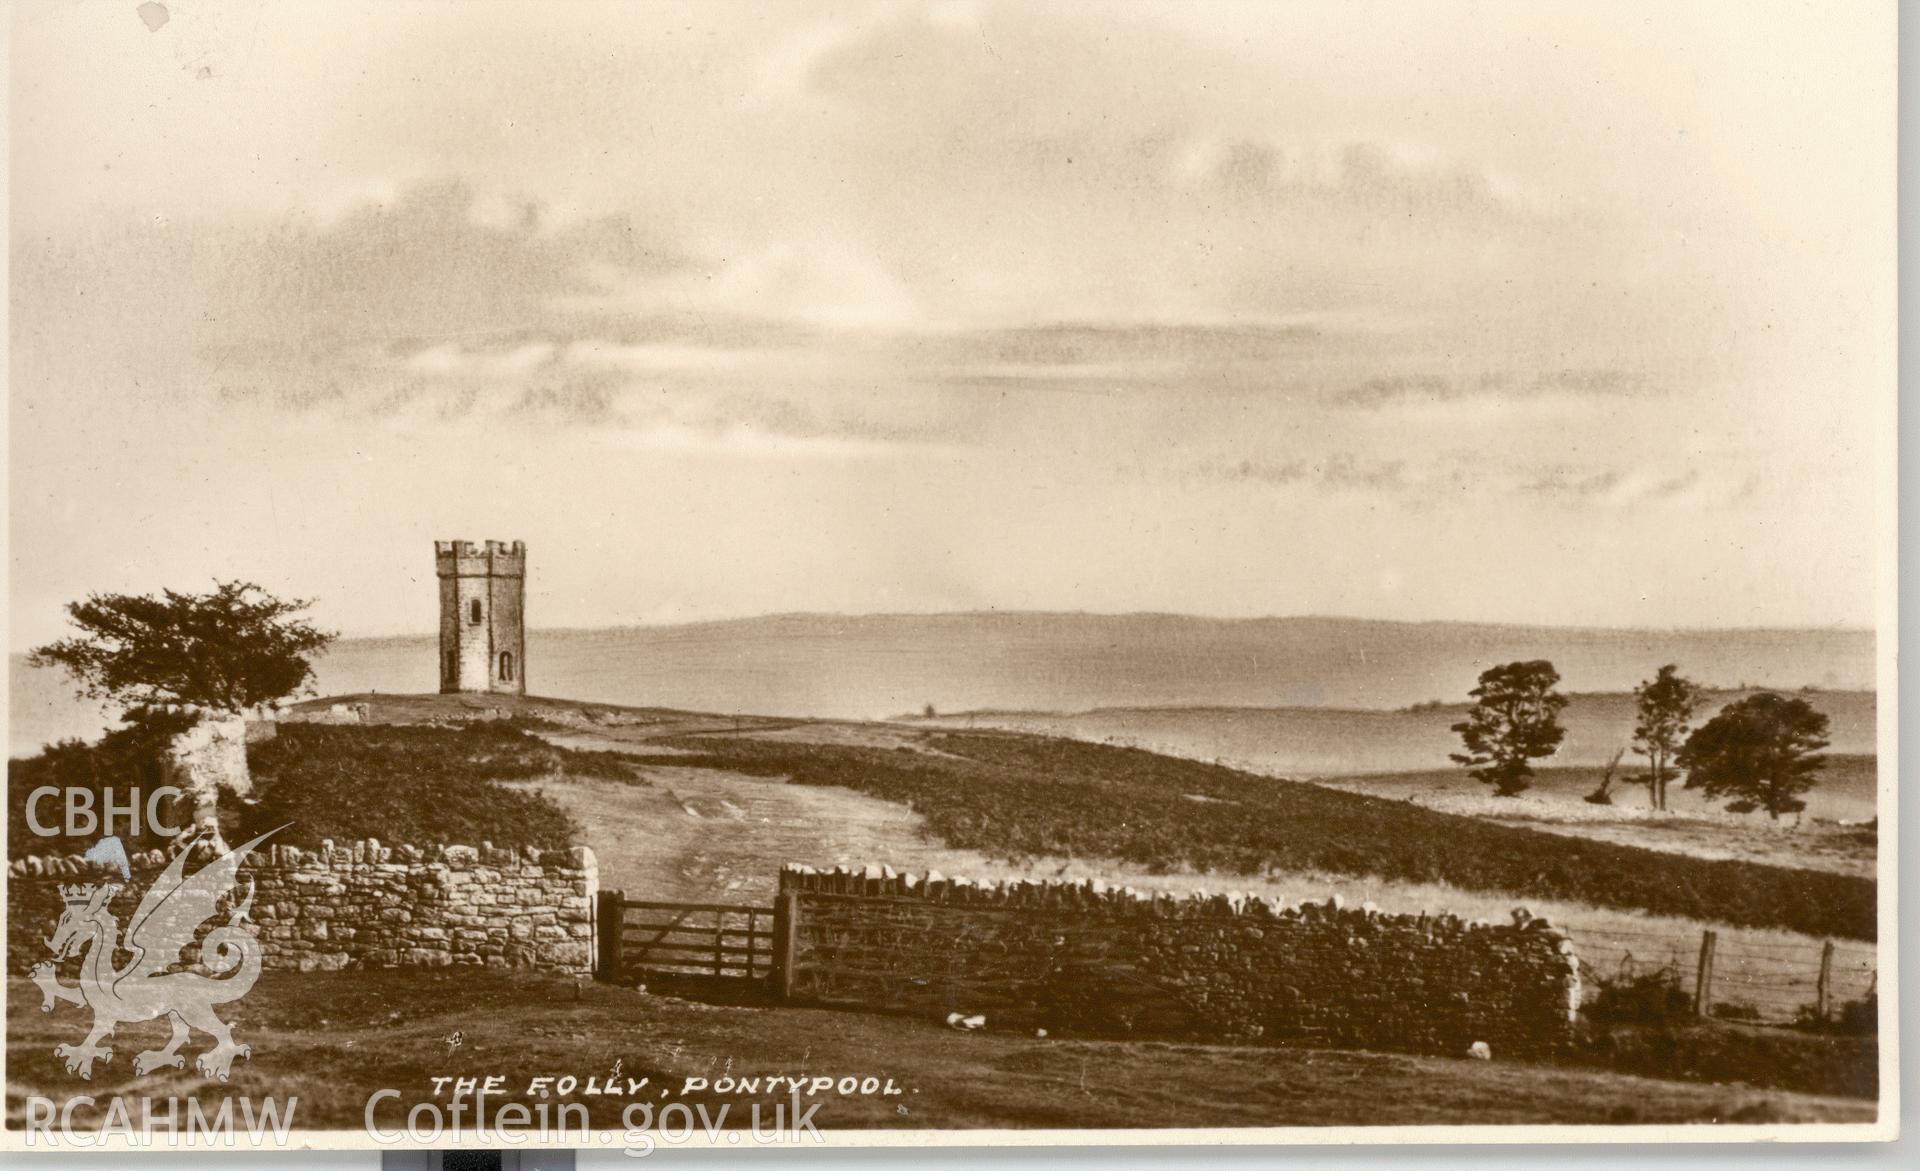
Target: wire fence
column 1732, row 976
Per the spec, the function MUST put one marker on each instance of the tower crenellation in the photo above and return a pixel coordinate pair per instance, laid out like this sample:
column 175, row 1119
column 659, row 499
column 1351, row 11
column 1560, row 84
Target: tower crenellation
column 483, row 642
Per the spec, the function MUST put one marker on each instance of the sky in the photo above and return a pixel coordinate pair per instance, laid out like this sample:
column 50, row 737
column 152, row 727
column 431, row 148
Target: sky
column 1547, row 313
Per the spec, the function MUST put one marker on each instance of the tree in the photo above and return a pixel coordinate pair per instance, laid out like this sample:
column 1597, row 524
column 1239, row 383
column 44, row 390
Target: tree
column 1515, row 719
column 1762, row 751
column 233, row 648
column 1667, row 703
column 1604, row 794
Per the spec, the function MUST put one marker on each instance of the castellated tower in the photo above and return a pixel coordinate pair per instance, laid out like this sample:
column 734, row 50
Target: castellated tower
column 483, row 636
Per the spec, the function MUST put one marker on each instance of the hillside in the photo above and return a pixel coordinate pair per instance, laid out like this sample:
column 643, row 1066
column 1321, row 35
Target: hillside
column 865, row 667
column 1313, row 742
column 1013, row 796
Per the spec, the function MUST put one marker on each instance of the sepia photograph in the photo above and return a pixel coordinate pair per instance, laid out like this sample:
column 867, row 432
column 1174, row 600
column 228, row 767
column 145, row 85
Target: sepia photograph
column 616, row 577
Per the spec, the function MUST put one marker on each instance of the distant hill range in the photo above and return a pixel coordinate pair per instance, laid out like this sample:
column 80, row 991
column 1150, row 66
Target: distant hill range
column 872, row 666
column 1310, row 742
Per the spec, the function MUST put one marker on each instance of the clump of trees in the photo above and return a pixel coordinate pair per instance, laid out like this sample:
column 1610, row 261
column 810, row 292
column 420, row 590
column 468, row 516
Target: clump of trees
column 234, row 647
column 1515, row 720
column 1763, row 751
column 1666, row 705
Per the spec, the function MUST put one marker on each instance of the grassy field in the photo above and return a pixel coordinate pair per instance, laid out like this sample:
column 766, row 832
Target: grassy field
column 1556, row 803
column 331, row 1040
column 1018, row 796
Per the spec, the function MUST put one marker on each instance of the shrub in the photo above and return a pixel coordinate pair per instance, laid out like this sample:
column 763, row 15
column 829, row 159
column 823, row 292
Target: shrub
column 1860, row 1016
column 130, row 757
column 1856, row 1018
column 1639, row 998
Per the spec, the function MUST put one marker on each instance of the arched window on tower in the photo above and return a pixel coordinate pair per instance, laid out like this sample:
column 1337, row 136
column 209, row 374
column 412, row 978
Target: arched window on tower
column 473, row 611
column 506, row 666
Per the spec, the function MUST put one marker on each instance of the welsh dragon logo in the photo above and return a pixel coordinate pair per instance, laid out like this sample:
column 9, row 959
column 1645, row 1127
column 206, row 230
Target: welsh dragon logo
column 169, row 916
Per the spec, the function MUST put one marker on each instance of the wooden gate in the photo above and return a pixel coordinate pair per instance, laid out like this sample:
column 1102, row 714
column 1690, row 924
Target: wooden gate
column 638, row 936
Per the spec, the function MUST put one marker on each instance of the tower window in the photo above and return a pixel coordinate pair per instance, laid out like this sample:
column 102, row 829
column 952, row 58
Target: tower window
column 506, row 666
column 473, row 611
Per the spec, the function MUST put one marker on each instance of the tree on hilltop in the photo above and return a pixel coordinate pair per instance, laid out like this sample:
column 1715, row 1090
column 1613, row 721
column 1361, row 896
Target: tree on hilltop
column 235, row 647
column 1515, row 720
column 1666, row 706
column 1763, row 751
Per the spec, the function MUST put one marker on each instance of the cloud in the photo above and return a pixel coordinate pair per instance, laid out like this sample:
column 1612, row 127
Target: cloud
column 450, row 359
column 443, row 303
column 1416, row 482
column 667, row 357
column 1423, row 389
column 439, row 305
column 1620, row 487
column 1339, row 472
column 1368, row 177
column 885, row 54
column 434, row 260
column 573, row 398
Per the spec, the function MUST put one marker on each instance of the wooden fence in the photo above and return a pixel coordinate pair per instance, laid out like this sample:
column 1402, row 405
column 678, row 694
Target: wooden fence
column 1731, row 977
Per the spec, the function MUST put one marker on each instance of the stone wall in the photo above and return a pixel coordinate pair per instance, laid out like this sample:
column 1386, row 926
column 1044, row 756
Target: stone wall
column 364, row 905
column 1108, row 961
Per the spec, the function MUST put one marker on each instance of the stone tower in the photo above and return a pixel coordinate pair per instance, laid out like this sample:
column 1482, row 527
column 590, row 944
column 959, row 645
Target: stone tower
column 483, row 636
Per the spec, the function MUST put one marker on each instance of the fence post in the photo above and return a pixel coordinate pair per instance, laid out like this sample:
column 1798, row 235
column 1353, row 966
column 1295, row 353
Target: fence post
column 786, row 926
column 608, row 919
column 1703, row 977
column 1823, row 991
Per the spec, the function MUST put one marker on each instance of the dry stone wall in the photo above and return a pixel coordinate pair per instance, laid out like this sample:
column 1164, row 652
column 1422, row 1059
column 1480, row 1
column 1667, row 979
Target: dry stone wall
column 1113, row 961
column 364, row 905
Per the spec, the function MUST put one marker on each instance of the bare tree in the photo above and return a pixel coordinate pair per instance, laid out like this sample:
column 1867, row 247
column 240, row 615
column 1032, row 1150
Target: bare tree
column 1603, row 795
